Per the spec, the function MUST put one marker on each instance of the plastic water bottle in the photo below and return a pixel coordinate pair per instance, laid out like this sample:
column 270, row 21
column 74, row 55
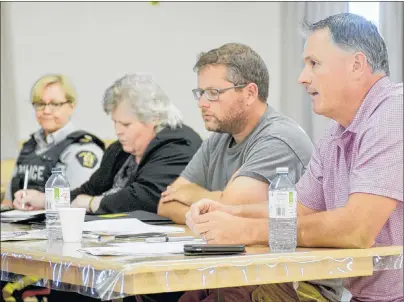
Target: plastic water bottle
column 57, row 195
column 282, row 213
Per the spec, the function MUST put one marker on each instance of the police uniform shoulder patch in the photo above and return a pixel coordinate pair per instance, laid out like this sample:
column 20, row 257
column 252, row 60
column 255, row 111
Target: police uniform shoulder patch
column 87, row 159
column 86, row 139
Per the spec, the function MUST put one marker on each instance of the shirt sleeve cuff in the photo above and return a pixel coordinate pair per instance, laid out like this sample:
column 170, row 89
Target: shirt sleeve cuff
column 310, row 195
column 253, row 175
column 309, row 203
column 377, row 191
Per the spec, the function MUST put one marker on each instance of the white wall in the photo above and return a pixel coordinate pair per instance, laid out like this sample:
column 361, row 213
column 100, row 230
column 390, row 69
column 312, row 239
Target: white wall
column 95, row 43
column 9, row 129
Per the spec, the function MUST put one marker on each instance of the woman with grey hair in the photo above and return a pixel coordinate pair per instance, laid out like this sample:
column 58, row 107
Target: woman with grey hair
column 152, row 149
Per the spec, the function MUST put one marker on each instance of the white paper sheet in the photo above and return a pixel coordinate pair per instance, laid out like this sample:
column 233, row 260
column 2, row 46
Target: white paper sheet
column 129, row 226
column 139, row 248
column 21, row 214
column 23, row 235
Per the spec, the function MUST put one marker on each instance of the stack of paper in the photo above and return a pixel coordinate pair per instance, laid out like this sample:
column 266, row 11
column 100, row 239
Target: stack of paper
column 139, row 248
column 16, row 215
column 129, row 226
column 23, row 235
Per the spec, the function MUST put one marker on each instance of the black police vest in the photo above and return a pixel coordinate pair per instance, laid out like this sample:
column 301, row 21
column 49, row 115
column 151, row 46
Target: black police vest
column 40, row 165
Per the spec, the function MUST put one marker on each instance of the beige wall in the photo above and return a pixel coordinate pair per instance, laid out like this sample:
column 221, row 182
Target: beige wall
column 9, row 121
column 95, row 43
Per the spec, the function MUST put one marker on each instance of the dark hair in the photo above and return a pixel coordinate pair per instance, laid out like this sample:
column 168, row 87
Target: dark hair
column 354, row 33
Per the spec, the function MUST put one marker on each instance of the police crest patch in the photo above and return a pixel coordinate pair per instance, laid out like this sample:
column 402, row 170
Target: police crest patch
column 87, row 159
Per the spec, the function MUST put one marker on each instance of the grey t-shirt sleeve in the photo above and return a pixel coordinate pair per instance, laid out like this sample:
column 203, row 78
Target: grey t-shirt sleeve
column 266, row 155
column 197, row 169
column 81, row 161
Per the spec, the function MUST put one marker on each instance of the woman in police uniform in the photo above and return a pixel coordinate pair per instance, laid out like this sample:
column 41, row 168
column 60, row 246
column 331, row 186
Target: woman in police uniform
column 56, row 144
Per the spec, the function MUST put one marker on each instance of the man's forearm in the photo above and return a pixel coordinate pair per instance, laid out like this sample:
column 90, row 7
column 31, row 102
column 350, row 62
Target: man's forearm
column 315, row 230
column 174, row 210
column 257, row 231
column 324, row 229
column 330, row 229
column 259, row 211
column 199, row 193
column 214, row 195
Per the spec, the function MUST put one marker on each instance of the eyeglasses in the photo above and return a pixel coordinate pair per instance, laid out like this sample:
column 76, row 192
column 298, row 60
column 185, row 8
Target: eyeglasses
column 53, row 106
column 212, row 94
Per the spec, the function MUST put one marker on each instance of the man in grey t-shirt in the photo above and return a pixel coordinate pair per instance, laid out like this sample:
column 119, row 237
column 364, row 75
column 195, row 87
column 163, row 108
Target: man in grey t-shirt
column 235, row 164
column 276, row 141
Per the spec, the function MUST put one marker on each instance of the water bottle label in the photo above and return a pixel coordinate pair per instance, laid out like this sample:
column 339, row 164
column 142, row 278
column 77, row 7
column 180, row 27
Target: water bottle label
column 57, row 196
column 282, row 204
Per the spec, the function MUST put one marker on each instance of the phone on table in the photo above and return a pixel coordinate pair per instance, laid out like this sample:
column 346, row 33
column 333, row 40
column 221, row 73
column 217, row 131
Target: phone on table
column 213, row 249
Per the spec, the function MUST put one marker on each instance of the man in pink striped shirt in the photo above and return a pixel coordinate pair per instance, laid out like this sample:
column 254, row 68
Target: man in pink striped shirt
column 351, row 196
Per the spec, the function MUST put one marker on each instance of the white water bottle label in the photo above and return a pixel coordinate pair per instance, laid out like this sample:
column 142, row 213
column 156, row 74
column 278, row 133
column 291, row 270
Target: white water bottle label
column 56, row 197
column 282, row 204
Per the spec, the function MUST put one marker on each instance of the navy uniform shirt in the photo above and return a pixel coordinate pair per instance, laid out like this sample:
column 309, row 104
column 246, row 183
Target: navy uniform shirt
column 79, row 161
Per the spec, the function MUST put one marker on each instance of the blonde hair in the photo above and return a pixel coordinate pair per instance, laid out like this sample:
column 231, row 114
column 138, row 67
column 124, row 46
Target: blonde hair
column 45, row 81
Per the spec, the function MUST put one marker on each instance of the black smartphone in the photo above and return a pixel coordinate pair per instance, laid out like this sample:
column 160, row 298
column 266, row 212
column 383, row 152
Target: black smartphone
column 213, row 249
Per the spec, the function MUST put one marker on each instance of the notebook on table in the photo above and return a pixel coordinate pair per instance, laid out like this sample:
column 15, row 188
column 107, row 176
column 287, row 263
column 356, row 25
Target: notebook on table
column 38, row 217
column 147, row 217
column 22, row 216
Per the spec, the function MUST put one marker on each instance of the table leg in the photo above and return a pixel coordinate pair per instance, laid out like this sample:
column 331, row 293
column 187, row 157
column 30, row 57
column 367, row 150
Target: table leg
column 219, row 297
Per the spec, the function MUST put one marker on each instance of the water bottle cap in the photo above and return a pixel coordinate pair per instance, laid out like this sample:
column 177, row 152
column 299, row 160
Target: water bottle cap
column 282, row 170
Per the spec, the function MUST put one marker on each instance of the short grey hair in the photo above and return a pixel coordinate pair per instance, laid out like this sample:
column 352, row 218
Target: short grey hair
column 244, row 66
column 147, row 100
column 354, row 33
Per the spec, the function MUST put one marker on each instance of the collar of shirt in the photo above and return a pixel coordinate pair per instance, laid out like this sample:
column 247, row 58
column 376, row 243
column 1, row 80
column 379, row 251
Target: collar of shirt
column 368, row 106
column 55, row 137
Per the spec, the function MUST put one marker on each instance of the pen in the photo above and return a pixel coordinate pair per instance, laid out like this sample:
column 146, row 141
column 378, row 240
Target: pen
column 20, row 233
column 168, row 239
column 141, row 235
column 25, row 188
column 92, row 236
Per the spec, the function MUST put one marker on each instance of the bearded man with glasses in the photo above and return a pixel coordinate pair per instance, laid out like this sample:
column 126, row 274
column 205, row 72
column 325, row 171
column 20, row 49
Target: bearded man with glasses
column 236, row 163
column 250, row 140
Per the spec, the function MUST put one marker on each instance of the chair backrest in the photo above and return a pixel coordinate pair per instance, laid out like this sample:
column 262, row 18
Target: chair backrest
column 7, row 167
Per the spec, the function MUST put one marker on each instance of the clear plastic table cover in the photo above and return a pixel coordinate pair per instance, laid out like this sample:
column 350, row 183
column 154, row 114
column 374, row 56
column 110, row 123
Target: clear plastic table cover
column 62, row 267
